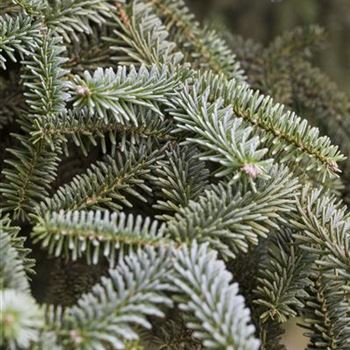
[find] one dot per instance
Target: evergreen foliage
(132, 140)
(18, 35)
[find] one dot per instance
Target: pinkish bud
(82, 90)
(333, 166)
(251, 170)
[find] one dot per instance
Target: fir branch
(141, 38)
(135, 290)
(12, 273)
(28, 175)
(17, 33)
(283, 278)
(322, 101)
(20, 321)
(108, 184)
(223, 138)
(270, 334)
(31, 7)
(214, 309)
(325, 228)
(107, 90)
(46, 91)
(87, 128)
(7, 6)
(47, 340)
(79, 233)
(203, 47)
(17, 242)
(68, 17)
(180, 177)
(232, 222)
(249, 54)
(326, 316)
(279, 57)
(289, 138)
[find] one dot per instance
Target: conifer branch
(46, 91)
(223, 138)
(17, 33)
(289, 138)
(20, 316)
(12, 273)
(326, 316)
(31, 7)
(85, 128)
(33, 167)
(141, 38)
(21, 320)
(109, 183)
(322, 100)
(283, 278)
(279, 56)
(135, 290)
(95, 234)
(270, 334)
(232, 222)
(203, 47)
(27, 176)
(325, 228)
(107, 90)
(69, 17)
(214, 309)
(180, 177)
(17, 242)
(171, 133)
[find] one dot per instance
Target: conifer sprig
(214, 310)
(21, 320)
(326, 316)
(12, 273)
(68, 17)
(283, 278)
(171, 133)
(17, 242)
(46, 91)
(135, 290)
(180, 177)
(95, 234)
(108, 184)
(223, 138)
(107, 90)
(140, 37)
(289, 138)
(85, 128)
(232, 222)
(203, 47)
(18, 33)
(28, 175)
(31, 7)
(325, 226)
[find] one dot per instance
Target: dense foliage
(153, 195)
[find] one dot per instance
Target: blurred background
(263, 20)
